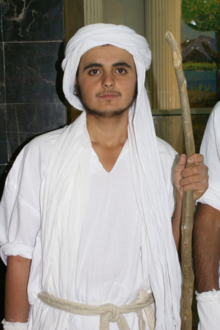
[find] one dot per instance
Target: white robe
(208, 303)
(110, 245)
(147, 173)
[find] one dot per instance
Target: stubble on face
(103, 114)
(106, 81)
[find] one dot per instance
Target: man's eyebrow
(92, 65)
(98, 65)
(122, 64)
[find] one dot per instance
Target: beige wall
(125, 12)
(162, 16)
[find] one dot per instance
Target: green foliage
(200, 86)
(202, 15)
(199, 66)
(207, 87)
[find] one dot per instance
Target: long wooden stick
(188, 205)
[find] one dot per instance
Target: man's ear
(76, 93)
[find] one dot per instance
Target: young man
(91, 204)
(207, 231)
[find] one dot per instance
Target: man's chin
(105, 113)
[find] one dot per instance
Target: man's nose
(108, 81)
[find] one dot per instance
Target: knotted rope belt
(108, 312)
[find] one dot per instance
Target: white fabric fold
(208, 306)
(210, 149)
(66, 188)
(212, 196)
(14, 249)
(14, 325)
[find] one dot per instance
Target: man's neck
(108, 136)
(108, 132)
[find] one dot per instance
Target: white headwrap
(66, 187)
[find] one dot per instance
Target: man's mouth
(109, 95)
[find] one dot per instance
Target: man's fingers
(181, 163)
(197, 187)
(196, 158)
(182, 159)
(194, 179)
(199, 169)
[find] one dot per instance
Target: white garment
(109, 264)
(150, 190)
(210, 149)
(14, 325)
(208, 303)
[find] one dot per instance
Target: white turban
(73, 152)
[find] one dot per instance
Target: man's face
(106, 80)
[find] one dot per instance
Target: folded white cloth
(14, 325)
(208, 305)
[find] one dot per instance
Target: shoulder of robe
(215, 114)
(212, 128)
(42, 144)
(216, 110)
(33, 157)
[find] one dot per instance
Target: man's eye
(93, 72)
(121, 70)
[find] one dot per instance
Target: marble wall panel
(30, 20)
(3, 152)
(3, 136)
(35, 118)
(25, 121)
(12, 121)
(31, 48)
(1, 29)
(32, 77)
(3, 173)
(2, 76)
(13, 145)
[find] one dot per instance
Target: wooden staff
(188, 204)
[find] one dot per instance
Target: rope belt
(108, 312)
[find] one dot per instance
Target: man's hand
(192, 178)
